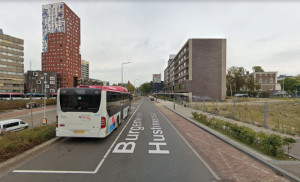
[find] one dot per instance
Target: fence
(278, 115)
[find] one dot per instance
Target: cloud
(265, 34)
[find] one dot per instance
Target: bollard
(174, 103)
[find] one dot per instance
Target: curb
(253, 154)
(25, 154)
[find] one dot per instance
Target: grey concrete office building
(11, 64)
(197, 71)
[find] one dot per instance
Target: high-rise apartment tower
(61, 43)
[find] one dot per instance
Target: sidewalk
(290, 166)
(16, 113)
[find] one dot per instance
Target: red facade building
(61, 43)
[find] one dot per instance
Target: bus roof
(107, 88)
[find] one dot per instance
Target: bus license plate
(79, 131)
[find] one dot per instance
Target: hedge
(14, 143)
(270, 144)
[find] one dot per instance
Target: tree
(252, 84)
(130, 87)
(290, 84)
(236, 78)
(114, 84)
(257, 69)
(145, 87)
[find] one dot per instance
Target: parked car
(151, 98)
(241, 95)
(34, 105)
(12, 125)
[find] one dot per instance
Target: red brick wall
(63, 54)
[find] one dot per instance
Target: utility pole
(234, 102)
(45, 119)
(31, 116)
(266, 114)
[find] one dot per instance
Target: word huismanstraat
(158, 137)
(133, 135)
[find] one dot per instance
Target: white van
(12, 125)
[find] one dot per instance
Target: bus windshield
(80, 99)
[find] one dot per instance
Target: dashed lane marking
(81, 172)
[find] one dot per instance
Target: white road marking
(81, 172)
(201, 159)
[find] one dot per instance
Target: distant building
(282, 77)
(90, 81)
(39, 82)
(61, 43)
(156, 78)
(11, 64)
(267, 80)
(156, 87)
(197, 71)
(156, 83)
(85, 69)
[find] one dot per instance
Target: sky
(145, 32)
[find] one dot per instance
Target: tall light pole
(45, 95)
(122, 71)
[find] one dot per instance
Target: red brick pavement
(226, 161)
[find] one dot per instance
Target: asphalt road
(37, 115)
(146, 147)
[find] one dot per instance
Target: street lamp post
(122, 71)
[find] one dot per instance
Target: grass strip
(20, 104)
(269, 144)
(14, 143)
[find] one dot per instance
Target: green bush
(270, 144)
(14, 143)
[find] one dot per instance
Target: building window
(35, 73)
(271, 87)
(52, 82)
(271, 80)
(52, 90)
(52, 78)
(260, 80)
(38, 82)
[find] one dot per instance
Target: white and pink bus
(91, 111)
